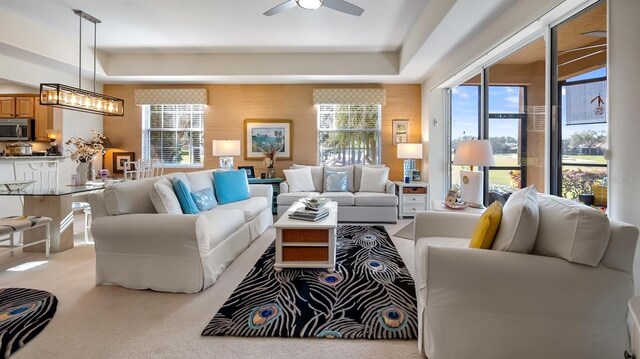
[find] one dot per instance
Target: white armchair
(475, 303)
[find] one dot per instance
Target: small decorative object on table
(85, 152)
(270, 151)
(452, 196)
(250, 171)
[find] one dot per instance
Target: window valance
(171, 97)
(350, 96)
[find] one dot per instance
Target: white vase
(82, 172)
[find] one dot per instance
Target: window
(349, 134)
(174, 134)
(465, 120)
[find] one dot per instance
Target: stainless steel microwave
(17, 129)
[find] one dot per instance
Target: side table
(275, 182)
(412, 198)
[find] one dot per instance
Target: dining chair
(45, 173)
(139, 169)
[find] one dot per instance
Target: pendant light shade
(75, 98)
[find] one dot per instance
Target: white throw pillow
(299, 180)
(374, 179)
(164, 198)
(317, 175)
(519, 224)
(571, 230)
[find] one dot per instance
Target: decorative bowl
(14, 185)
(456, 205)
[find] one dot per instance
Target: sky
(502, 99)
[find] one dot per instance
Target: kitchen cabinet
(17, 107)
(7, 106)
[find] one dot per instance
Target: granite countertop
(31, 158)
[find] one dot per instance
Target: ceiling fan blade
(289, 4)
(343, 6)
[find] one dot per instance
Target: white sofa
(354, 205)
(138, 248)
(475, 303)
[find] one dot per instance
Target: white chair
(46, 176)
(135, 170)
(9, 226)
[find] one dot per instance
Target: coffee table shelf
(306, 244)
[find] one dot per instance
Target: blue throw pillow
(335, 181)
(231, 186)
(184, 197)
(204, 199)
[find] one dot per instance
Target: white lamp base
(226, 163)
(471, 188)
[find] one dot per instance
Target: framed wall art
(264, 135)
(119, 158)
(400, 131)
(250, 171)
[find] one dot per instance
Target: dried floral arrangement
(87, 150)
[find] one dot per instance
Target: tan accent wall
(229, 105)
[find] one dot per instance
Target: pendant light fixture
(75, 98)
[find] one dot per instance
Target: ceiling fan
(338, 5)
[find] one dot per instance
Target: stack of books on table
(309, 215)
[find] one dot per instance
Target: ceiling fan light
(309, 4)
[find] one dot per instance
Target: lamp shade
(226, 147)
(410, 150)
(474, 153)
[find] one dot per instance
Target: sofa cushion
(348, 169)
(200, 180)
(250, 207)
(204, 199)
(571, 230)
(374, 179)
(317, 176)
(487, 227)
(231, 186)
(288, 199)
(129, 197)
(335, 181)
(164, 198)
(519, 223)
(184, 197)
(181, 176)
(299, 179)
(357, 175)
(343, 198)
(223, 222)
(374, 199)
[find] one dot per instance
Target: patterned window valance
(171, 97)
(349, 97)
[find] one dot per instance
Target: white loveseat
(475, 303)
(353, 205)
(138, 248)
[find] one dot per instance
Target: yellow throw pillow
(487, 227)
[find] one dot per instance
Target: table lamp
(226, 149)
(473, 153)
(409, 152)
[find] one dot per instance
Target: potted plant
(579, 184)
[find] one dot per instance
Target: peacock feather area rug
(371, 295)
(23, 314)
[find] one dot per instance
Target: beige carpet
(112, 322)
(408, 232)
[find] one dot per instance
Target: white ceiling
(231, 41)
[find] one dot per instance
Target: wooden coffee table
(306, 244)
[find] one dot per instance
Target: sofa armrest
(445, 224)
(525, 286)
(284, 187)
(262, 190)
(390, 187)
(177, 235)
